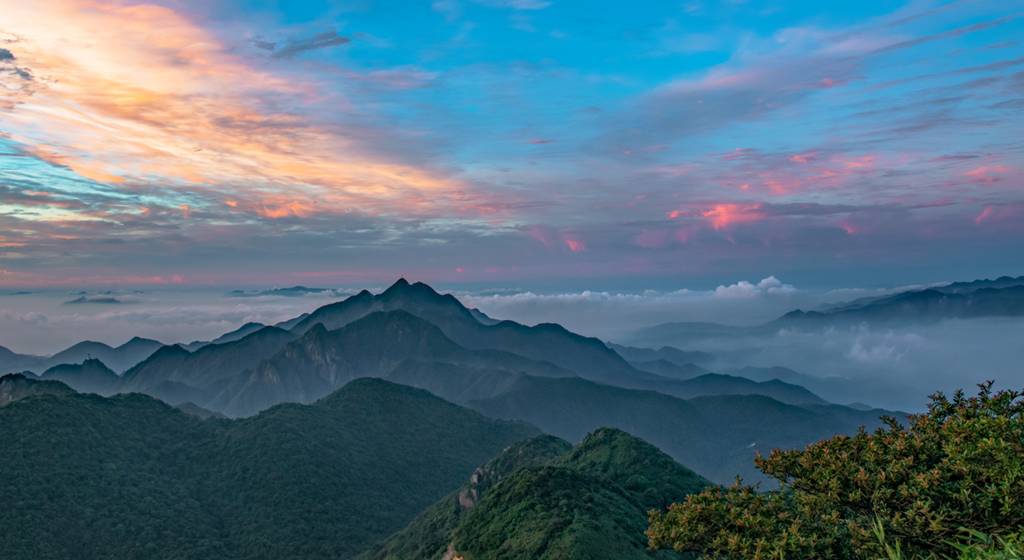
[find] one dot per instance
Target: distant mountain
(975, 285)
(394, 345)
(710, 384)
(97, 300)
(929, 305)
(670, 370)
(541, 500)
(198, 411)
(396, 336)
(715, 435)
(116, 358)
(587, 357)
(11, 362)
(130, 477)
(1002, 297)
(176, 375)
(293, 291)
(237, 334)
(17, 386)
(91, 376)
(670, 354)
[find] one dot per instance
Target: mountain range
(129, 477)
(1001, 297)
(118, 358)
(565, 384)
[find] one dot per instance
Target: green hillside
(718, 436)
(542, 500)
(131, 477)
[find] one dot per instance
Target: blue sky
(540, 143)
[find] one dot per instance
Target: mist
(891, 367)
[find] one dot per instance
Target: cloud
(743, 289)
(314, 42)
(181, 109)
(6, 55)
(517, 4)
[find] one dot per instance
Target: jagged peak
(402, 287)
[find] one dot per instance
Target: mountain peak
(402, 288)
(399, 284)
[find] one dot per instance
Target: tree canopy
(949, 483)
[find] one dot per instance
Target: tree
(951, 480)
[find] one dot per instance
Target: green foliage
(130, 477)
(542, 500)
(553, 513)
(902, 491)
(430, 533)
(588, 504)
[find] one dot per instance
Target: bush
(928, 489)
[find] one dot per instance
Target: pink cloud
(849, 228)
(987, 174)
(575, 245)
(726, 215)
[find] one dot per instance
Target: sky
(544, 144)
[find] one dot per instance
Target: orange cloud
(118, 102)
(723, 216)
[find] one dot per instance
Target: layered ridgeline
(718, 436)
(411, 334)
(1001, 297)
(565, 384)
(543, 499)
(131, 477)
(118, 358)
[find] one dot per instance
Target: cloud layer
(152, 143)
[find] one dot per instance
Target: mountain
(292, 291)
(11, 362)
(540, 499)
(1002, 297)
(587, 357)
(176, 375)
(17, 386)
(395, 345)
(117, 359)
(429, 535)
(130, 477)
(975, 285)
(237, 334)
(91, 376)
(390, 336)
(920, 306)
(198, 411)
(717, 436)
(590, 501)
(670, 370)
(721, 384)
(669, 354)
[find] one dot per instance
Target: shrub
(927, 489)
